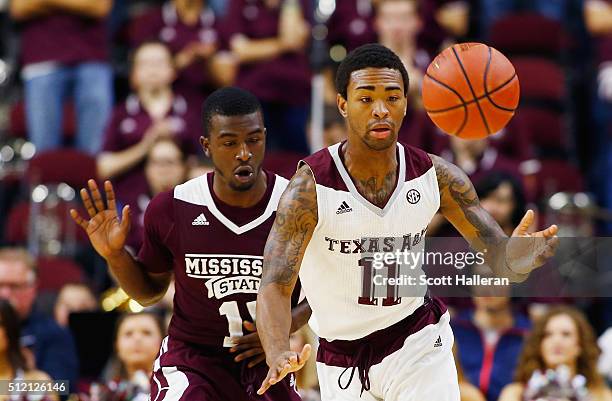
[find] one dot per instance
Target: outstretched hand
(106, 233)
(285, 363)
(527, 251)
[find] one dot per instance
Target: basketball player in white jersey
(371, 186)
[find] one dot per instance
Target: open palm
(106, 233)
(527, 251)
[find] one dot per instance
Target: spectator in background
(13, 364)
(501, 195)
(398, 24)
(467, 390)
(138, 338)
(562, 337)
(604, 364)
(137, 341)
(52, 345)
(490, 338)
(165, 168)
(73, 298)
(477, 158)
(190, 30)
(64, 54)
(351, 24)
(150, 114)
(269, 39)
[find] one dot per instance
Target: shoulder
(160, 205)
(512, 392)
(418, 162)
(323, 168)
(301, 193)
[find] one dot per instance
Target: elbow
(148, 301)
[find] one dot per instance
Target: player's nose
(244, 153)
(380, 110)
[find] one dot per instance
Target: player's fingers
(257, 360)
(242, 347)
(305, 353)
(523, 226)
(96, 195)
(110, 195)
(78, 219)
(91, 210)
(125, 219)
(551, 231)
(249, 353)
(267, 381)
(252, 338)
(250, 326)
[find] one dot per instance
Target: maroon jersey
(216, 252)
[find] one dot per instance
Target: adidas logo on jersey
(200, 221)
(344, 208)
(438, 342)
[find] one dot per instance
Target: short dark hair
(371, 55)
(228, 101)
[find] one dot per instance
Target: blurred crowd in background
(113, 89)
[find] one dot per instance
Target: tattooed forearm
(295, 221)
(460, 205)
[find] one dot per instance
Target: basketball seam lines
(485, 83)
(463, 103)
(467, 79)
(495, 90)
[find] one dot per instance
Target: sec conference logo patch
(413, 196)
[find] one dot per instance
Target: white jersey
(330, 272)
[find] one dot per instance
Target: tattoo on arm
(460, 204)
(295, 221)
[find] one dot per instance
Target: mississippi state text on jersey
(216, 252)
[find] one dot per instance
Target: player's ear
(341, 105)
(205, 142)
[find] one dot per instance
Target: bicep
(291, 232)
(460, 205)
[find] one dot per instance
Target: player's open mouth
(244, 173)
(381, 131)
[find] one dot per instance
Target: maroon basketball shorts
(189, 372)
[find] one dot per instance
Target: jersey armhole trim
(302, 163)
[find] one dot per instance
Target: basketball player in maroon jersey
(372, 184)
(210, 232)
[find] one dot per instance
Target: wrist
(114, 257)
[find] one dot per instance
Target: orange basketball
(471, 90)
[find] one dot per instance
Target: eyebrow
(372, 87)
(233, 135)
